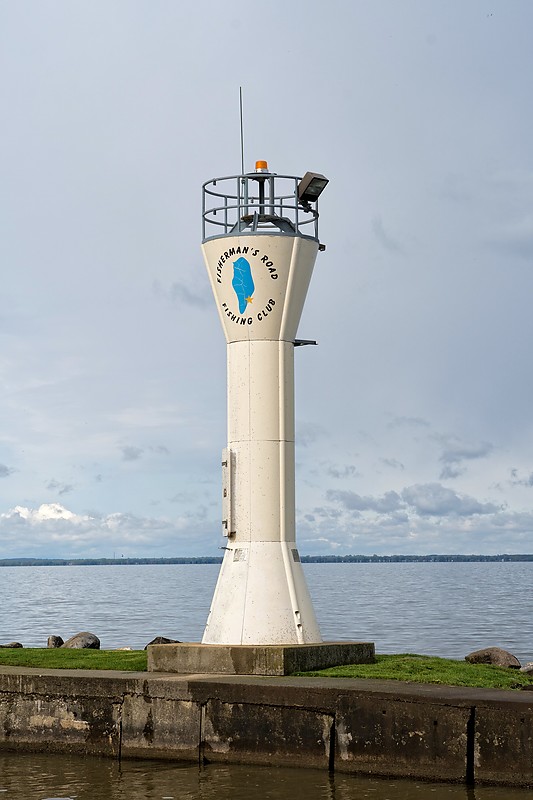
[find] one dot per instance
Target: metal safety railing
(257, 202)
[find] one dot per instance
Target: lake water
(47, 777)
(445, 609)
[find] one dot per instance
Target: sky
(414, 414)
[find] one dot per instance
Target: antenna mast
(242, 131)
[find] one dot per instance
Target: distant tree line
(397, 559)
(348, 559)
(89, 562)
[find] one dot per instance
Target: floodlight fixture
(311, 187)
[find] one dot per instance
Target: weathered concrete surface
(158, 727)
(382, 735)
(364, 726)
(504, 739)
(249, 733)
(202, 659)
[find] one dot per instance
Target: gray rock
(163, 640)
(495, 656)
(83, 640)
(527, 668)
(55, 641)
(11, 644)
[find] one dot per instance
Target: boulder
(527, 668)
(11, 644)
(162, 640)
(83, 640)
(495, 656)
(55, 641)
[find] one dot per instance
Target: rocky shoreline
(85, 641)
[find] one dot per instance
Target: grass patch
(429, 669)
(404, 667)
(57, 658)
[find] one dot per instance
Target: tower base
(193, 659)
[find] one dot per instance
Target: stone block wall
(382, 728)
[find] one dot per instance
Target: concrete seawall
(362, 726)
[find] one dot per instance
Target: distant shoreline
(347, 559)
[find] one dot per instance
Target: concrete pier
(367, 727)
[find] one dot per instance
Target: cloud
(5, 471)
(62, 488)
(45, 512)
(516, 481)
(160, 448)
(52, 530)
(92, 367)
(131, 453)
(408, 422)
(433, 499)
(182, 293)
(422, 518)
(451, 471)
(384, 238)
(430, 519)
(392, 462)
(454, 454)
(390, 501)
(181, 497)
(308, 433)
(149, 416)
(348, 471)
(516, 239)
(328, 512)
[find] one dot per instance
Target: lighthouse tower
(260, 242)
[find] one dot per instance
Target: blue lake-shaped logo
(243, 283)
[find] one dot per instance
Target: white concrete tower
(260, 241)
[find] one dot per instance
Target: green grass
(57, 658)
(404, 667)
(428, 669)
